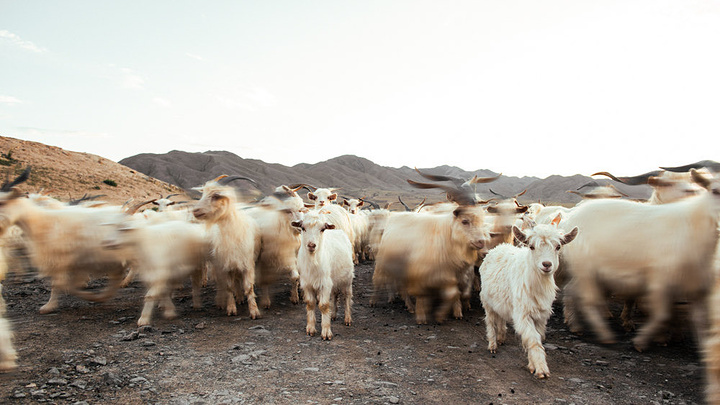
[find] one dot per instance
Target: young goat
(325, 261)
(518, 285)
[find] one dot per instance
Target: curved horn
(374, 204)
(592, 184)
(297, 187)
(218, 178)
(456, 180)
(711, 165)
(518, 195)
(499, 195)
(171, 195)
(137, 206)
(631, 180)
(224, 180)
(84, 198)
(459, 196)
(403, 204)
(8, 185)
(479, 180)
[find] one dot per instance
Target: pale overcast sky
(523, 87)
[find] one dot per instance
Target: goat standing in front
(518, 285)
(325, 261)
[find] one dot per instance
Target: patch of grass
(110, 183)
(6, 159)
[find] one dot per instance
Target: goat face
(469, 226)
(544, 242)
(214, 204)
(312, 228)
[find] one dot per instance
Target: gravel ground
(94, 353)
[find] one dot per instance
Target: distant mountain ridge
(356, 176)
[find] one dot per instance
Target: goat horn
(404, 205)
(631, 180)
(479, 180)
(499, 195)
(227, 179)
(434, 177)
(711, 165)
(8, 185)
(137, 206)
(459, 196)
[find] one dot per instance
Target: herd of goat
(652, 254)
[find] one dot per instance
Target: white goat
(518, 286)
(64, 244)
(235, 242)
(661, 252)
(164, 254)
(420, 254)
(360, 223)
(326, 269)
(280, 242)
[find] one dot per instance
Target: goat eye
(465, 222)
(557, 247)
(532, 247)
(215, 197)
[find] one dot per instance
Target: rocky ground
(94, 353)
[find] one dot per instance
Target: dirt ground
(94, 353)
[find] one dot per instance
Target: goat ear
(700, 179)
(361, 203)
(345, 202)
(656, 181)
(296, 224)
(492, 209)
(556, 220)
(155, 203)
(312, 196)
(172, 203)
(569, 237)
(519, 235)
(329, 226)
(521, 210)
(332, 197)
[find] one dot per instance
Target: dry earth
(68, 175)
(93, 353)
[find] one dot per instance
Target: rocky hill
(355, 175)
(69, 175)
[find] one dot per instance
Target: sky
(522, 87)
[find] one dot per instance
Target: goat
(326, 269)
(642, 250)
(235, 242)
(163, 254)
(424, 253)
(518, 286)
(64, 244)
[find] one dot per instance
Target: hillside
(356, 176)
(69, 175)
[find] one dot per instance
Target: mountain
(356, 176)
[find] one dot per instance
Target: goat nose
(311, 246)
(547, 265)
